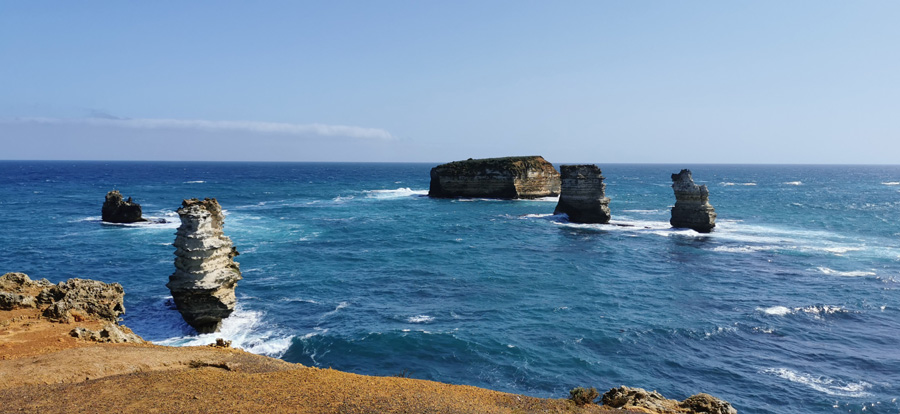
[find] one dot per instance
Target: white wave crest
(822, 384)
(744, 249)
(337, 308)
(891, 183)
(642, 211)
(195, 182)
(817, 311)
(420, 319)
(793, 183)
(776, 310)
(396, 193)
(727, 184)
(854, 273)
(246, 330)
(547, 199)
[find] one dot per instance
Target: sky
(427, 81)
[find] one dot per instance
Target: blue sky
(593, 81)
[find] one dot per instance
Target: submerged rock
(117, 210)
(583, 194)
(507, 178)
(205, 271)
(692, 209)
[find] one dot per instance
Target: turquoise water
(790, 305)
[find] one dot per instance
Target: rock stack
(692, 209)
(117, 210)
(583, 194)
(507, 178)
(205, 271)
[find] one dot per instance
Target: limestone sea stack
(506, 178)
(583, 194)
(692, 209)
(117, 210)
(205, 271)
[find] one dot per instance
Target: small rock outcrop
(692, 209)
(651, 401)
(583, 194)
(110, 333)
(117, 210)
(506, 178)
(205, 271)
(72, 301)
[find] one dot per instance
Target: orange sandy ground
(43, 369)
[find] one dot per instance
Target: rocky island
(506, 178)
(692, 209)
(583, 194)
(118, 210)
(205, 271)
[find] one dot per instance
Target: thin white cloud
(217, 126)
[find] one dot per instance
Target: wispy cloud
(216, 126)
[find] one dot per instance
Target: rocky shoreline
(55, 357)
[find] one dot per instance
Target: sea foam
(823, 384)
(395, 194)
(246, 329)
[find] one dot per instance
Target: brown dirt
(43, 369)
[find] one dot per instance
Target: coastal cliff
(205, 271)
(506, 178)
(46, 367)
(692, 209)
(583, 194)
(118, 210)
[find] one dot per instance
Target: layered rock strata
(205, 271)
(117, 210)
(506, 178)
(583, 194)
(72, 301)
(692, 209)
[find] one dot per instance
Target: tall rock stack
(117, 210)
(205, 271)
(583, 194)
(692, 209)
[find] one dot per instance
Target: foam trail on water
(855, 273)
(891, 183)
(793, 183)
(396, 193)
(822, 384)
(726, 184)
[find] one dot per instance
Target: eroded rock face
(508, 178)
(652, 401)
(117, 210)
(583, 194)
(692, 209)
(205, 271)
(75, 300)
(79, 298)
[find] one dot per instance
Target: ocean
(790, 305)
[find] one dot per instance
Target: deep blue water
(790, 305)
